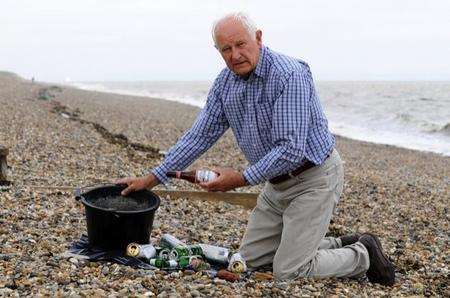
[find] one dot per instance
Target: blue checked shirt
(275, 116)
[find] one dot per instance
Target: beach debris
(174, 253)
(161, 263)
(186, 261)
(164, 254)
(227, 275)
(136, 250)
(171, 241)
(237, 264)
(48, 93)
(263, 276)
(211, 273)
(112, 138)
(215, 254)
(4, 165)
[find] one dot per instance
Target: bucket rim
(154, 207)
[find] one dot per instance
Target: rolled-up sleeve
(209, 126)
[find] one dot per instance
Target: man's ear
(259, 37)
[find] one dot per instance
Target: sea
(414, 115)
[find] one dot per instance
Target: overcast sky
(102, 40)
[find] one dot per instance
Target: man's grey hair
(240, 17)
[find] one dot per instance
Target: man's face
(239, 50)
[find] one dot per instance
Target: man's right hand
(138, 183)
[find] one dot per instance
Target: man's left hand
(228, 179)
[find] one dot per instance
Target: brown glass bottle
(193, 176)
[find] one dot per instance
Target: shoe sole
(386, 263)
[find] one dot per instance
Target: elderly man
(269, 101)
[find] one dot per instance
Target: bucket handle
(78, 190)
(77, 193)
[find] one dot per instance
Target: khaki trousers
(288, 225)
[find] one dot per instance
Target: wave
(444, 129)
(170, 96)
(421, 125)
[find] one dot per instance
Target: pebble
(310, 288)
(105, 270)
(48, 149)
(175, 275)
(220, 281)
(73, 261)
(282, 285)
(418, 288)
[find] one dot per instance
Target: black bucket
(114, 227)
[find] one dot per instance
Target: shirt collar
(261, 67)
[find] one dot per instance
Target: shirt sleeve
(209, 126)
(290, 123)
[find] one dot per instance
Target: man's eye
(224, 50)
(241, 44)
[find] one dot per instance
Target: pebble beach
(61, 137)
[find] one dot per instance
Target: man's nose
(235, 54)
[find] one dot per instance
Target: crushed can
(185, 261)
(237, 264)
(144, 251)
(165, 254)
(198, 264)
(179, 251)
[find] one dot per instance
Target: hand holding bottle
(227, 179)
(196, 176)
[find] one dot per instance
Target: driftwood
(245, 199)
(3, 165)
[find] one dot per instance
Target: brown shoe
(349, 239)
(381, 270)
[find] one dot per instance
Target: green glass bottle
(195, 250)
(161, 263)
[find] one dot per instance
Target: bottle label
(205, 176)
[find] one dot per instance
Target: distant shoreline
(194, 105)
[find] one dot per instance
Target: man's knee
(290, 272)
